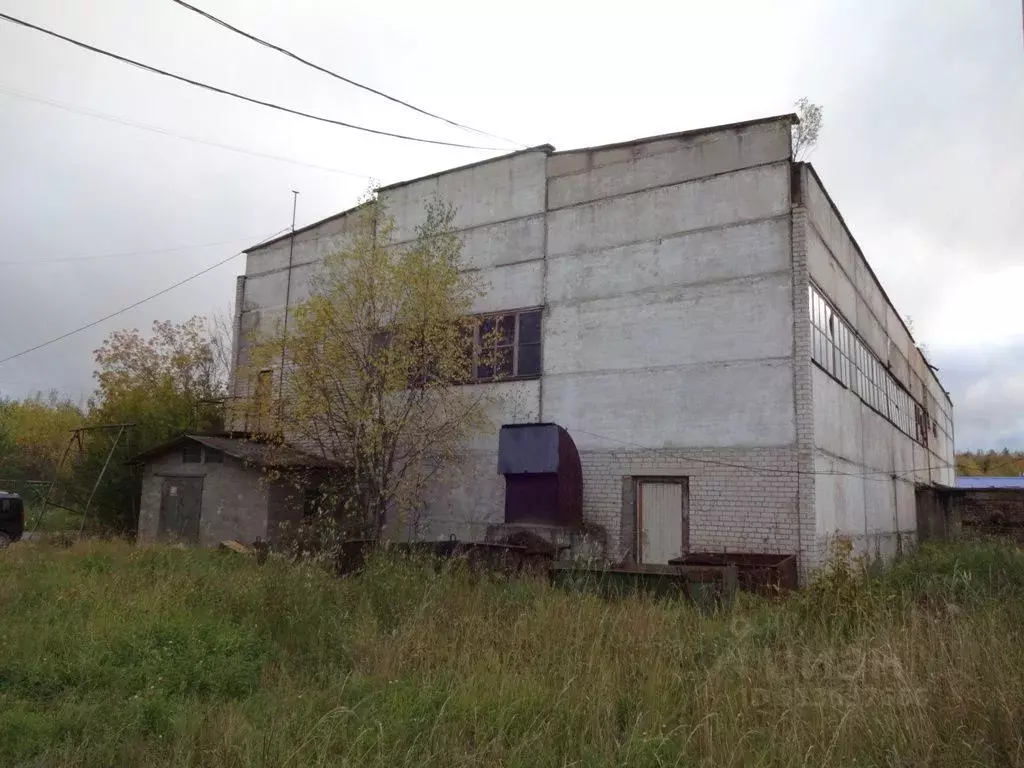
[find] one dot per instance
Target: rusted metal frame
(96, 485)
(56, 474)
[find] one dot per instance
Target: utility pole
(287, 302)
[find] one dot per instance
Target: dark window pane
(503, 362)
(467, 333)
(506, 330)
(214, 456)
(529, 327)
(312, 503)
(487, 327)
(380, 341)
(484, 372)
(191, 453)
(529, 359)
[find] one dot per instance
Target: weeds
(112, 655)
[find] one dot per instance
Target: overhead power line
(236, 95)
(335, 75)
(132, 306)
(122, 254)
(157, 129)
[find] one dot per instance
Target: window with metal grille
(498, 347)
(507, 346)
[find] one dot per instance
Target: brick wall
(810, 547)
(998, 512)
(739, 499)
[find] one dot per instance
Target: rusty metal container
(757, 571)
(708, 587)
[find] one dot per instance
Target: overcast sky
(923, 145)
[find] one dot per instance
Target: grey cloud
(924, 107)
(987, 388)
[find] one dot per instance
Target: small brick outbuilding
(205, 489)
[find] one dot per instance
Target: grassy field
(112, 655)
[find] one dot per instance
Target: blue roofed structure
(981, 483)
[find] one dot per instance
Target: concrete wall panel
(505, 402)
(747, 319)
(870, 330)
(721, 405)
(500, 190)
(879, 505)
(464, 501)
(505, 243)
(839, 494)
(869, 290)
(514, 286)
(266, 290)
(660, 163)
(827, 273)
(697, 257)
(745, 195)
(837, 418)
(900, 338)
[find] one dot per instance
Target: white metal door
(660, 512)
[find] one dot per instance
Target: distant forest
(990, 463)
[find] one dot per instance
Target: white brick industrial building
(709, 332)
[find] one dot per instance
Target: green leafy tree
(164, 382)
(990, 463)
(374, 363)
(34, 433)
(806, 132)
(170, 381)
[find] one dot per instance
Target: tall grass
(112, 655)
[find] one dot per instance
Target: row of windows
(502, 346)
(837, 349)
(498, 347)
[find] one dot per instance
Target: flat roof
(547, 149)
(789, 117)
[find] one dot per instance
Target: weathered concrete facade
(867, 468)
(673, 277)
(220, 495)
(233, 506)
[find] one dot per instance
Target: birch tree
(375, 365)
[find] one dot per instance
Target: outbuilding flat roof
(981, 483)
(245, 449)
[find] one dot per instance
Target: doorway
(662, 519)
(181, 503)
